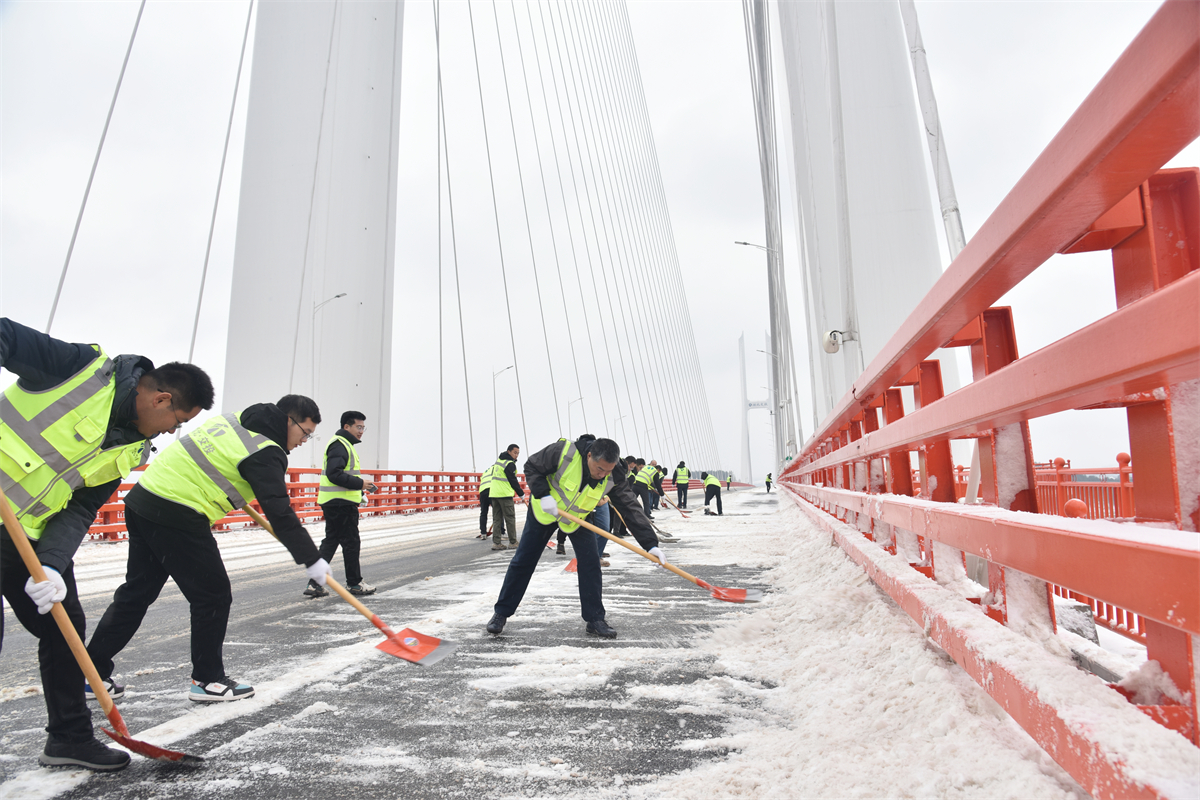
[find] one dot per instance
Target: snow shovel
(120, 734)
(729, 595)
(677, 508)
(407, 644)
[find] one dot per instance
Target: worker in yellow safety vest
(485, 500)
(223, 464)
(74, 424)
(682, 476)
(503, 486)
(572, 477)
(768, 483)
(643, 484)
(712, 488)
(339, 493)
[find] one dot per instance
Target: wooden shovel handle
(329, 581)
(17, 533)
(623, 543)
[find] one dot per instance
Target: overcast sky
(1007, 76)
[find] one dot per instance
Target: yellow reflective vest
(712, 480)
(200, 470)
(328, 490)
(485, 480)
(568, 491)
(51, 443)
(500, 487)
(682, 475)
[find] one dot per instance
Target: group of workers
(75, 424)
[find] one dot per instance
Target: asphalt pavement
(542, 710)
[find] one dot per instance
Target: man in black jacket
(597, 464)
(340, 493)
(170, 538)
(147, 402)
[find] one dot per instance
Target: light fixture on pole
(495, 423)
(576, 400)
(312, 355)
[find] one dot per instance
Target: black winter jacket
(265, 471)
(42, 362)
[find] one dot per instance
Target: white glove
(50, 591)
(658, 553)
(549, 505)
(319, 571)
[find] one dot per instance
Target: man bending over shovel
(222, 465)
(74, 425)
(572, 476)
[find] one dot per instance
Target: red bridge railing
(1098, 186)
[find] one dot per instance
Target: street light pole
(777, 368)
(312, 356)
(495, 423)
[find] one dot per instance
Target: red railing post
(1060, 492)
(1125, 493)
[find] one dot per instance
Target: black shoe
(602, 629)
(90, 754)
(496, 625)
(115, 690)
(315, 589)
(561, 551)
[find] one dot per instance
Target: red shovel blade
(152, 751)
(733, 595)
(738, 595)
(573, 566)
(417, 647)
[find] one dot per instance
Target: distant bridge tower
(317, 216)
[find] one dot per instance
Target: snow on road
(825, 689)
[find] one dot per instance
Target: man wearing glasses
(223, 464)
(340, 493)
(75, 423)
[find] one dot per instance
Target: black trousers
(158, 552)
(62, 680)
(525, 561)
(768, 487)
(709, 493)
(485, 504)
(681, 488)
(341, 528)
(643, 492)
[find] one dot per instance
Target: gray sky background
(1007, 76)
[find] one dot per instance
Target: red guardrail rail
(400, 492)
(1098, 185)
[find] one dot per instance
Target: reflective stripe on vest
(200, 470)
(682, 475)
(581, 501)
(500, 487)
(329, 490)
(50, 443)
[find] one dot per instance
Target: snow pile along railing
(1097, 186)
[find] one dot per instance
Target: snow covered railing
(1097, 186)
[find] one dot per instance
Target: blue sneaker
(115, 690)
(225, 690)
